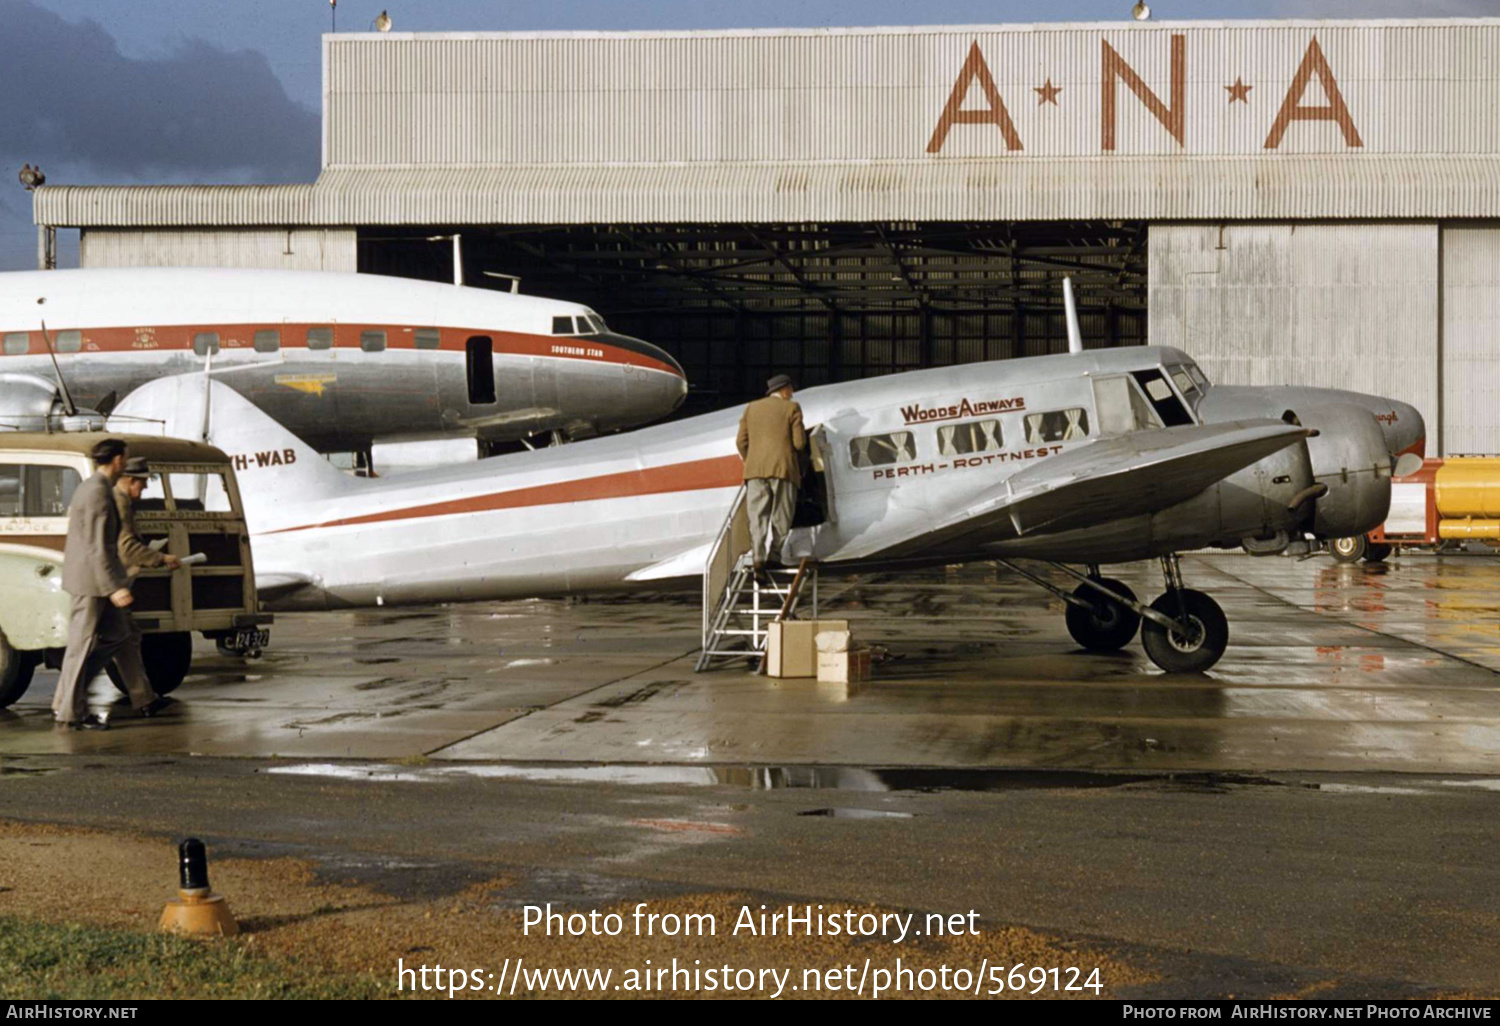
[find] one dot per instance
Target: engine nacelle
(1350, 456)
(32, 403)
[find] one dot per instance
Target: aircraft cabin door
(815, 504)
(481, 370)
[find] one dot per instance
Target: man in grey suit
(100, 628)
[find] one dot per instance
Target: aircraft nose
(1405, 430)
(667, 384)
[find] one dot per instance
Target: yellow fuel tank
(1470, 529)
(1468, 488)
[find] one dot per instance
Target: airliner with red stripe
(343, 361)
(1093, 457)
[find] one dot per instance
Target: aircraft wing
(684, 564)
(273, 586)
(1113, 478)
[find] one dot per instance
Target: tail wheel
(1376, 553)
(1197, 644)
(1106, 625)
(1349, 550)
(16, 668)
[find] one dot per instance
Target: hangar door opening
(823, 302)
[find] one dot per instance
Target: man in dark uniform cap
(100, 627)
(770, 438)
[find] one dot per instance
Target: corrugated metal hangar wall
(1298, 200)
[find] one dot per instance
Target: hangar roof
(1156, 121)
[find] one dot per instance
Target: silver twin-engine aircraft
(1077, 460)
(343, 360)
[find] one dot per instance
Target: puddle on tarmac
(763, 778)
(856, 814)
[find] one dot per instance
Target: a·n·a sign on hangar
(1306, 201)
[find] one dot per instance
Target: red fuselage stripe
(232, 337)
(717, 472)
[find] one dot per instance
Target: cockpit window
(562, 325)
(1197, 375)
(1163, 400)
(1186, 384)
(1122, 407)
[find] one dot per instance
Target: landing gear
(1377, 552)
(1348, 550)
(1183, 631)
(1190, 633)
(1102, 624)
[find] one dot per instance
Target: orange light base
(198, 913)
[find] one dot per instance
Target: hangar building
(1305, 201)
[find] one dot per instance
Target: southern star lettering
(273, 458)
(964, 408)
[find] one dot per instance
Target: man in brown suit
(771, 437)
(99, 629)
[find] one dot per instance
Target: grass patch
(68, 961)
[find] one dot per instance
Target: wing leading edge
(1111, 479)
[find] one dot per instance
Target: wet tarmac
(1330, 668)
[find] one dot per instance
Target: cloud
(195, 113)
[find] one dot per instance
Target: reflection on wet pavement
(1330, 667)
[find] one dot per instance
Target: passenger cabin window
(267, 340)
(427, 338)
(320, 338)
(882, 450)
(206, 343)
(1058, 426)
(70, 341)
(962, 439)
(36, 490)
(1122, 407)
(1163, 400)
(372, 341)
(17, 343)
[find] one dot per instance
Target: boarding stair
(738, 610)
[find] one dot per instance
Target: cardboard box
(833, 641)
(849, 667)
(789, 646)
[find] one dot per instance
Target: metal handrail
(714, 583)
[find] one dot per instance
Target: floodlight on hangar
(1140, 12)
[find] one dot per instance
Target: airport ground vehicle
(1446, 503)
(38, 473)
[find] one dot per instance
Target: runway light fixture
(383, 22)
(1140, 12)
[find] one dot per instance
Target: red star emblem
(1239, 92)
(1047, 93)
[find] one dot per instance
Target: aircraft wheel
(16, 668)
(1196, 650)
(1110, 625)
(1376, 553)
(1348, 550)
